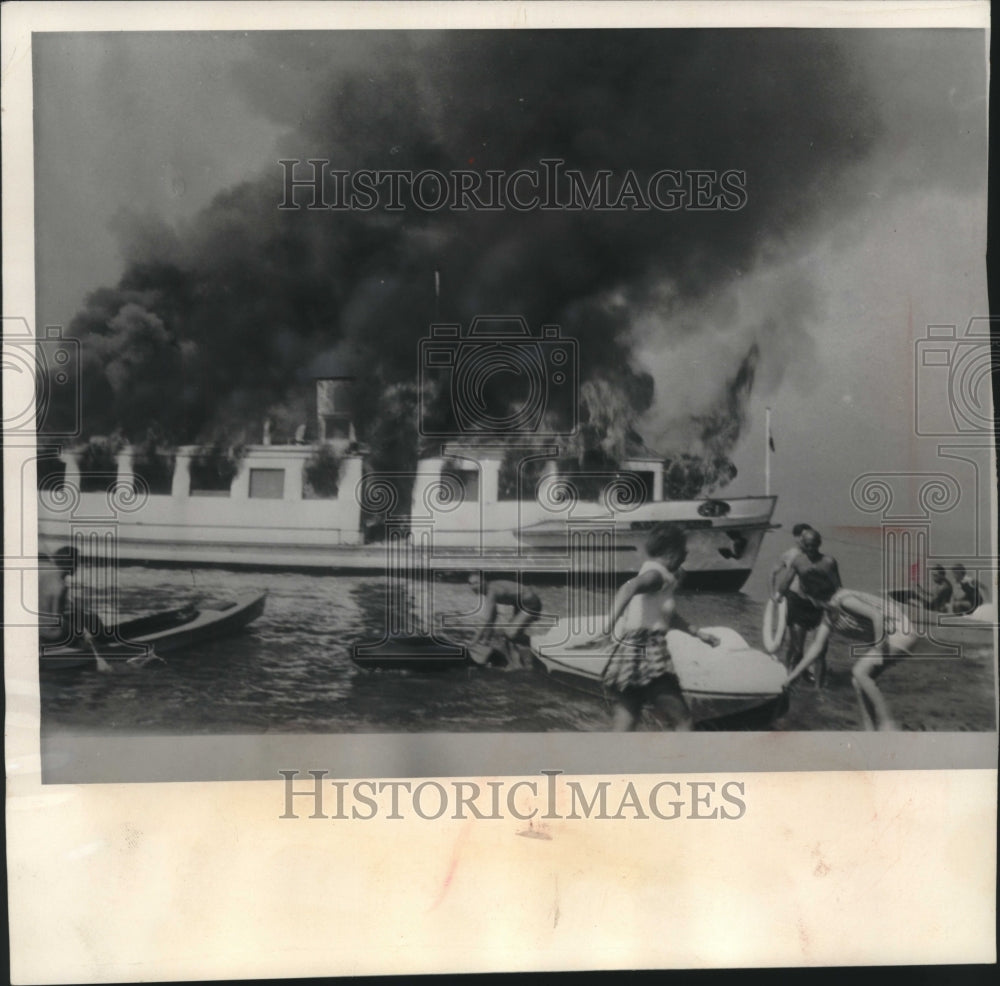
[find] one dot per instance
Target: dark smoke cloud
(214, 324)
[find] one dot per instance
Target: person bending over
(860, 616)
(525, 603)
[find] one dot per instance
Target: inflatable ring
(775, 624)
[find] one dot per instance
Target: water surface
(291, 671)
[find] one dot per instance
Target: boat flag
(915, 571)
(770, 441)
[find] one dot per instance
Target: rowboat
(731, 685)
(165, 632)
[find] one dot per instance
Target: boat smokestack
(336, 383)
(335, 409)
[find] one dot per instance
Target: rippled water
(290, 671)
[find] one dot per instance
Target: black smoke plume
(213, 326)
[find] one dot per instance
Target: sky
(865, 155)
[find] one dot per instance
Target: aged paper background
(171, 881)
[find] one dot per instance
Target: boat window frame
(265, 469)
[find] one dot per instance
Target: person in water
(803, 616)
(640, 671)
(936, 597)
(968, 593)
(57, 615)
(862, 616)
(526, 605)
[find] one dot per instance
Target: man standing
(779, 572)
(803, 614)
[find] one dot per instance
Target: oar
(102, 665)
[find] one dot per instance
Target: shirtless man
(803, 614)
(786, 559)
(55, 608)
(968, 593)
(500, 592)
(937, 597)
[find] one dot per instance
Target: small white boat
(976, 629)
(730, 685)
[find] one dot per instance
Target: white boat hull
(266, 521)
(711, 564)
(974, 630)
(720, 683)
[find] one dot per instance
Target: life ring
(714, 508)
(775, 624)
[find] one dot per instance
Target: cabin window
(519, 476)
(50, 474)
(206, 481)
(156, 471)
(213, 469)
(469, 478)
(98, 463)
(267, 484)
(321, 474)
(647, 479)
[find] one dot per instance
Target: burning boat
(319, 507)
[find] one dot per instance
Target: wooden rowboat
(166, 632)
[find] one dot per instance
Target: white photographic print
(480, 427)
